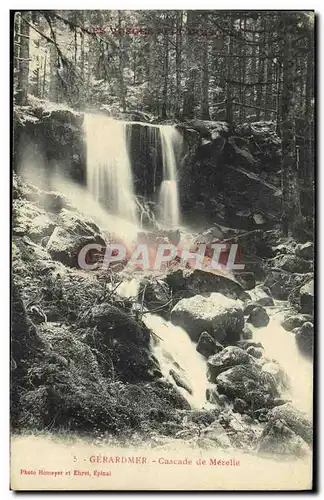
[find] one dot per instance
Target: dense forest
(186, 129)
(233, 66)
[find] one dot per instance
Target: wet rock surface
(187, 283)
(247, 382)
(305, 339)
(258, 317)
(307, 297)
(295, 321)
(221, 317)
(207, 346)
(227, 358)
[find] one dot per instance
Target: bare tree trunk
(82, 63)
(165, 75)
(308, 109)
(16, 51)
(259, 92)
(54, 83)
(44, 75)
(253, 68)
(121, 64)
(178, 62)
(23, 71)
(229, 99)
(290, 185)
(152, 98)
(204, 102)
(268, 75)
(189, 97)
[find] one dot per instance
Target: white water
(109, 174)
(175, 351)
(169, 193)
(281, 346)
(85, 203)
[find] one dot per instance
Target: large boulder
(114, 322)
(305, 251)
(305, 338)
(282, 283)
(295, 420)
(260, 292)
(217, 434)
(187, 283)
(207, 346)
(225, 359)
(246, 343)
(280, 440)
(220, 316)
(124, 341)
(295, 321)
(249, 383)
(73, 233)
(56, 132)
(273, 372)
(307, 297)
(246, 279)
(258, 317)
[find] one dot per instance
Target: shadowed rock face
(258, 317)
(305, 339)
(247, 382)
(294, 419)
(207, 346)
(307, 297)
(187, 283)
(221, 170)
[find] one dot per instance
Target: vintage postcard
(162, 298)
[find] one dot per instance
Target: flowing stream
(176, 352)
(281, 346)
(110, 182)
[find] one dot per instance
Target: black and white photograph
(162, 250)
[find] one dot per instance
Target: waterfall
(110, 143)
(169, 193)
(109, 174)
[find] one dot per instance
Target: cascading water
(174, 351)
(169, 193)
(177, 353)
(281, 346)
(109, 174)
